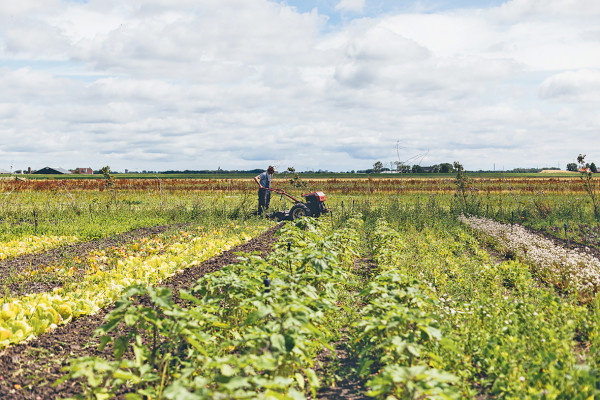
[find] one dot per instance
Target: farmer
(264, 182)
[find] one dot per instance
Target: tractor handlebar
(284, 193)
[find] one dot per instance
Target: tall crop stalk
(586, 175)
(462, 184)
(463, 190)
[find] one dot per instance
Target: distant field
(307, 175)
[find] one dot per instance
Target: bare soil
(348, 388)
(342, 363)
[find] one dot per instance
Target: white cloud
(240, 83)
(356, 6)
(16, 9)
(581, 85)
(517, 9)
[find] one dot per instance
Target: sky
(314, 84)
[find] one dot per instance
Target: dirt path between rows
(342, 363)
(28, 370)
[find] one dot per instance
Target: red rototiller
(313, 206)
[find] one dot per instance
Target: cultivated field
(412, 288)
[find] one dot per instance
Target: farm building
(85, 171)
(52, 171)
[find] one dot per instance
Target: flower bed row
(569, 270)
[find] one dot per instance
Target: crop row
(434, 317)
(75, 268)
(502, 333)
(396, 328)
(23, 317)
(569, 270)
(33, 244)
(380, 184)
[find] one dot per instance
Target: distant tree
(416, 169)
(593, 168)
(446, 168)
(378, 167)
(401, 167)
(527, 170)
(462, 185)
(108, 178)
(106, 172)
(572, 167)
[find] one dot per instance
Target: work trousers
(264, 198)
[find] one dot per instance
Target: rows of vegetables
(251, 330)
(501, 332)
(106, 273)
(433, 316)
(406, 290)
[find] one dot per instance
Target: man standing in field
(264, 183)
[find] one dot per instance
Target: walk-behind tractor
(313, 207)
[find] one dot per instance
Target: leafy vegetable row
(32, 315)
(33, 244)
(396, 329)
(438, 318)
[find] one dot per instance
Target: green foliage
(234, 339)
(377, 167)
(417, 169)
(434, 317)
(446, 168)
(105, 171)
(502, 334)
(94, 214)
